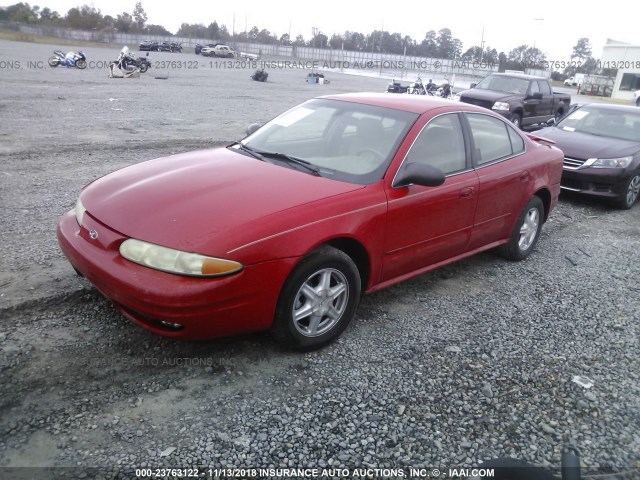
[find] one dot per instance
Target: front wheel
(631, 193)
(81, 64)
(54, 61)
(143, 67)
(318, 300)
(526, 232)
(517, 120)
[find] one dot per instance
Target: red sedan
(286, 229)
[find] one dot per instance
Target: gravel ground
(471, 361)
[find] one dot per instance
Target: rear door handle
(466, 192)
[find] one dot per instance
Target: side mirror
(536, 96)
(419, 174)
(252, 128)
(473, 85)
(551, 122)
(147, 54)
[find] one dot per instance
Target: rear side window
(492, 138)
(517, 144)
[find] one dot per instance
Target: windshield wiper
(295, 160)
(249, 150)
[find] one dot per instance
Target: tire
(517, 121)
(638, 102)
(318, 300)
(81, 64)
(143, 67)
(631, 192)
(558, 115)
(54, 61)
(526, 232)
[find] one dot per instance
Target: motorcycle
(127, 62)
(69, 60)
(444, 90)
(417, 88)
(395, 87)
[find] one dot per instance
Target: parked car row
(601, 142)
(152, 46)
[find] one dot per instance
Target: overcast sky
(553, 26)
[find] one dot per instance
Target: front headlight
(622, 162)
(80, 211)
(175, 261)
(501, 106)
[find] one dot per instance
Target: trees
(582, 49)
(139, 16)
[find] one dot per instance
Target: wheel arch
(358, 254)
(545, 196)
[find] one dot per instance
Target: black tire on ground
(517, 120)
(526, 231)
(631, 193)
(143, 67)
(558, 115)
(318, 300)
(54, 61)
(81, 64)
(638, 102)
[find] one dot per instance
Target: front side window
(440, 144)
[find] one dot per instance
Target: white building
(626, 58)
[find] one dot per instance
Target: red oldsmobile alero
(284, 230)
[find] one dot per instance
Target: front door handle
(524, 176)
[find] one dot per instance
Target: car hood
(488, 95)
(584, 146)
(208, 201)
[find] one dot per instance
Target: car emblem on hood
(93, 234)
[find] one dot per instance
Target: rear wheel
(526, 232)
(558, 115)
(318, 300)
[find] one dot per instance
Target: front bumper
(600, 182)
(203, 307)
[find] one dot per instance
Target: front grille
(573, 163)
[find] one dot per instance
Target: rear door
(505, 180)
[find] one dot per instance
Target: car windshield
(501, 83)
(346, 141)
(624, 125)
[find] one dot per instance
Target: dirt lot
(470, 361)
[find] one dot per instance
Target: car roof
(612, 107)
(411, 103)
